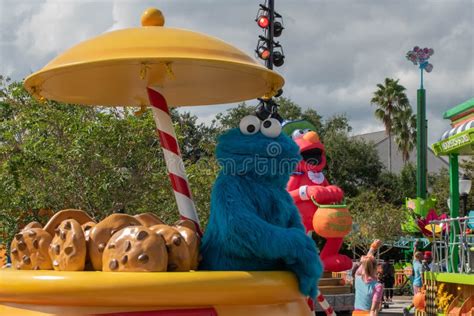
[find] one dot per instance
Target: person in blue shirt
(368, 291)
(417, 278)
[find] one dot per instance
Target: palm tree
(390, 98)
(404, 128)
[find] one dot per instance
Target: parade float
(449, 287)
(157, 67)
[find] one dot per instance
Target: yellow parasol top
(188, 68)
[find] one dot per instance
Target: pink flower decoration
(431, 216)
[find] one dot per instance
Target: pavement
(396, 308)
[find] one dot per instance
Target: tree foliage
(392, 107)
(395, 188)
(56, 156)
(404, 128)
(352, 163)
(374, 219)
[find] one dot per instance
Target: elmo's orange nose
(311, 137)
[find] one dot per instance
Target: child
(417, 277)
(368, 291)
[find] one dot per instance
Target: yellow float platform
(198, 293)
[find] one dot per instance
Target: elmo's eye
(297, 133)
(249, 125)
(271, 128)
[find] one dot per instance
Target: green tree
(335, 124)
(196, 140)
(232, 117)
(389, 98)
(438, 184)
(404, 128)
(395, 188)
(374, 219)
(352, 163)
(56, 156)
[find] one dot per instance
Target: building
(380, 141)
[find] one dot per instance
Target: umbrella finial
(152, 17)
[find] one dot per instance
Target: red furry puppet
(308, 182)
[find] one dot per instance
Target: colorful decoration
(420, 206)
(420, 212)
(308, 182)
(254, 224)
(443, 299)
(419, 56)
(332, 221)
(426, 228)
(419, 301)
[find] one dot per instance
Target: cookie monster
(254, 224)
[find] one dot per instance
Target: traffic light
(271, 52)
(263, 21)
(278, 58)
(272, 24)
(263, 52)
(277, 28)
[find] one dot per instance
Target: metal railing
(444, 249)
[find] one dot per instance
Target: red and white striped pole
(325, 305)
(173, 159)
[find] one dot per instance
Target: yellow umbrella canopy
(188, 68)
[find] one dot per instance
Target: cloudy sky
(336, 51)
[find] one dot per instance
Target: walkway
(396, 308)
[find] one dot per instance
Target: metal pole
(454, 203)
(271, 13)
(421, 144)
(464, 202)
(421, 78)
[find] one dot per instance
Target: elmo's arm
(322, 194)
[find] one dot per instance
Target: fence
(463, 244)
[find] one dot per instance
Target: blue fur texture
(254, 224)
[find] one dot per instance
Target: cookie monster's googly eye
(249, 125)
(271, 128)
(297, 133)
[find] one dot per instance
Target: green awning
(457, 129)
(458, 109)
(459, 140)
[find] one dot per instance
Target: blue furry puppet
(254, 224)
